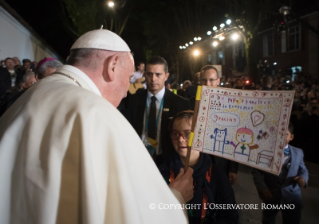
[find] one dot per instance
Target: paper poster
(245, 126)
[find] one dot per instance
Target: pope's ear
(109, 67)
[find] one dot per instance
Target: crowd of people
(72, 157)
(15, 78)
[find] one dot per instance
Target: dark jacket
(5, 80)
(218, 191)
(173, 104)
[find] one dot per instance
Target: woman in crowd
(211, 185)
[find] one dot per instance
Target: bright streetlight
(195, 38)
(215, 43)
(180, 47)
(196, 52)
(209, 32)
(215, 28)
(235, 36)
(228, 22)
(222, 25)
(191, 42)
(110, 4)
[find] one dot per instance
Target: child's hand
(301, 182)
(265, 194)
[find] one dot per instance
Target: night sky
(45, 17)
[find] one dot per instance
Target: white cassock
(68, 156)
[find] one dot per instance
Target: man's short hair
(157, 60)
(26, 60)
(140, 62)
(291, 128)
(89, 57)
(209, 67)
(5, 60)
(187, 82)
(52, 64)
(26, 76)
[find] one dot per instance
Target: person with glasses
(211, 185)
(209, 76)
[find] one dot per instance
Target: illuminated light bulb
(110, 4)
(196, 52)
(235, 36)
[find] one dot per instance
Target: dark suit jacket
(136, 109)
(5, 80)
(288, 190)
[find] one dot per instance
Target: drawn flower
(261, 131)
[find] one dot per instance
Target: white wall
(17, 41)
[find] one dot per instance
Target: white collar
(83, 76)
(159, 96)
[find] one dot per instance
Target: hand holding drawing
(184, 183)
(232, 178)
(301, 182)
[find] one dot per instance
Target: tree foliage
(87, 15)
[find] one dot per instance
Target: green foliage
(83, 14)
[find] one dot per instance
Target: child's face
(244, 138)
(180, 136)
(289, 137)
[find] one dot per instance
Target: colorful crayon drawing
(244, 126)
(245, 139)
(219, 137)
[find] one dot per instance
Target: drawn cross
(243, 147)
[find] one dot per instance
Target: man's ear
(109, 67)
(166, 76)
(24, 85)
(292, 137)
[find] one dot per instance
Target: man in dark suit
(150, 110)
(6, 75)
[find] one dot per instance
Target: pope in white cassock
(68, 156)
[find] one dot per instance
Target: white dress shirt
(159, 97)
